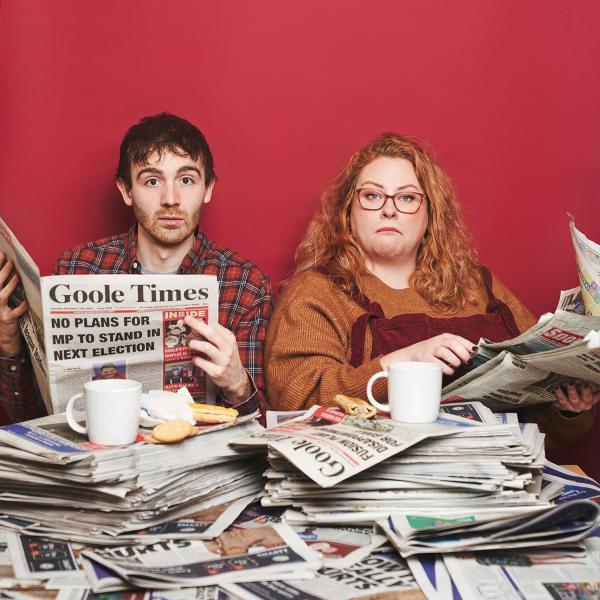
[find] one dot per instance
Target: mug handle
(73, 424)
(374, 378)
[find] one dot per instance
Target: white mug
(414, 391)
(112, 410)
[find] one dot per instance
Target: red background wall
(508, 94)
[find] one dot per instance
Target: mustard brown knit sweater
(307, 348)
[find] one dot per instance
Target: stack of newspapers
(333, 468)
(53, 484)
(471, 469)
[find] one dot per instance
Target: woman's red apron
(496, 324)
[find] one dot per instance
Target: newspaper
(587, 254)
(32, 323)
(338, 546)
(560, 348)
(571, 301)
(132, 325)
(540, 574)
(569, 486)
(272, 552)
(379, 575)
(415, 534)
(329, 447)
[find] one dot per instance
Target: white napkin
(158, 406)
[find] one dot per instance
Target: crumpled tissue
(159, 405)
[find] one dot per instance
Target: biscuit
(354, 406)
(211, 414)
(170, 432)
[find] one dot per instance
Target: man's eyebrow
(155, 171)
(189, 168)
(145, 170)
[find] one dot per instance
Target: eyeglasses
(405, 202)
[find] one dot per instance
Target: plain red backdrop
(507, 93)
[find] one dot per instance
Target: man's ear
(208, 192)
(125, 192)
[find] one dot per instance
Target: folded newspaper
(81, 327)
(560, 348)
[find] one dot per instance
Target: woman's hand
(572, 400)
(446, 349)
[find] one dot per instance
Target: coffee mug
(112, 411)
(414, 391)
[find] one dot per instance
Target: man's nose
(170, 196)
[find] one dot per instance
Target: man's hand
(218, 356)
(10, 334)
(573, 401)
(446, 349)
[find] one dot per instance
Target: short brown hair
(163, 133)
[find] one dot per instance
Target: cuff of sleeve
(10, 366)
(250, 404)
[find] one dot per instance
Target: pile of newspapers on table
(351, 508)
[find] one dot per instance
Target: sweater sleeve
(307, 347)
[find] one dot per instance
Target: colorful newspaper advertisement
(125, 327)
(587, 254)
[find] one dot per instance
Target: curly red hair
(447, 272)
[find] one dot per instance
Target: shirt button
(17, 394)
(13, 368)
(22, 361)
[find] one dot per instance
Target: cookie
(170, 432)
(354, 406)
(210, 414)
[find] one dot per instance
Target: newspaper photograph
(377, 576)
(587, 254)
(329, 446)
(272, 552)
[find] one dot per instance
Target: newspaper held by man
(587, 254)
(381, 575)
(525, 370)
(329, 446)
(106, 326)
(32, 322)
(265, 553)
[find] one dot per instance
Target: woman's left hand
(575, 401)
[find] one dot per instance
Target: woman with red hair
(387, 273)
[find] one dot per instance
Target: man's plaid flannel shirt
(244, 308)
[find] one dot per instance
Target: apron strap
(497, 306)
(359, 331)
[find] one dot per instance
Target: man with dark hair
(166, 175)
